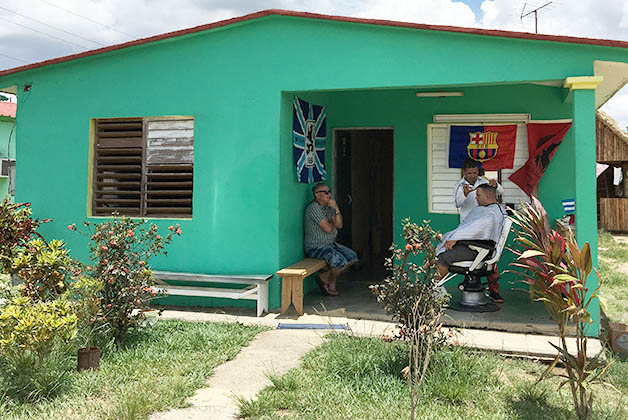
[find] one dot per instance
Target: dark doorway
(364, 191)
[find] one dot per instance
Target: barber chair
(473, 297)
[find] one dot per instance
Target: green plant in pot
(85, 293)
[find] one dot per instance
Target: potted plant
(85, 294)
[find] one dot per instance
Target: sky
(36, 30)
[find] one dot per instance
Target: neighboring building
(227, 125)
(612, 180)
(7, 149)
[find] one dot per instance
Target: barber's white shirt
(468, 203)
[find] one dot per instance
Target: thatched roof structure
(612, 140)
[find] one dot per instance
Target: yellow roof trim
(583, 82)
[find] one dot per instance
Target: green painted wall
(238, 83)
(7, 148)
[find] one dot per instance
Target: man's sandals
(324, 287)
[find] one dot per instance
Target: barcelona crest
(482, 146)
(309, 130)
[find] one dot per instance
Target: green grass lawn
(613, 267)
(159, 368)
(359, 378)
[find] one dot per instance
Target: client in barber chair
(483, 224)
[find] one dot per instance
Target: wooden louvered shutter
(119, 147)
(169, 167)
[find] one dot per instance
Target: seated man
(483, 223)
(321, 222)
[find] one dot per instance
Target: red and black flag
(543, 141)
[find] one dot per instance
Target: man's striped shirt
(313, 234)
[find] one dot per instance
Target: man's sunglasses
(324, 191)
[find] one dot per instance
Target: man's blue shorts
(336, 255)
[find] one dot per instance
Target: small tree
(557, 271)
(120, 250)
(409, 295)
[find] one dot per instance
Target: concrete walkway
(518, 344)
(272, 352)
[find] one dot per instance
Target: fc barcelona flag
(309, 129)
(492, 146)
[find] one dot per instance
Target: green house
(227, 89)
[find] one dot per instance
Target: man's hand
(492, 183)
(333, 204)
(449, 245)
(466, 189)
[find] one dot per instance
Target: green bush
(32, 339)
(44, 268)
(33, 327)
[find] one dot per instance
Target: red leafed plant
(557, 270)
(17, 227)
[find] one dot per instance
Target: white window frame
(521, 156)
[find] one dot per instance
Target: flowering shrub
(409, 295)
(409, 282)
(120, 250)
(16, 229)
(556, 270)
(44, 268)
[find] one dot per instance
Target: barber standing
(464, 190)
(465, 201)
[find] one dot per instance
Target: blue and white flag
(569, 206)
(309, 130)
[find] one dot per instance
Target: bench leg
(262, 298)
(297, 294)
(286, 293)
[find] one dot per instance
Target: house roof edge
(309, 15)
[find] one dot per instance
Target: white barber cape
(468, 203)
(483, 223)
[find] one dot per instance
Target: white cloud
(436, 12)
(617, 108)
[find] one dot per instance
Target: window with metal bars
(143, 167)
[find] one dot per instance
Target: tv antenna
(536, 19)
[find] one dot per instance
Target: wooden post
(286, 293)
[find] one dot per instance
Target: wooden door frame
(334, 159)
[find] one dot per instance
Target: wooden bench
(292, 282)
(257, 288)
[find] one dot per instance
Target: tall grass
(157, 369)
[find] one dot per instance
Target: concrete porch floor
(517, 313)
